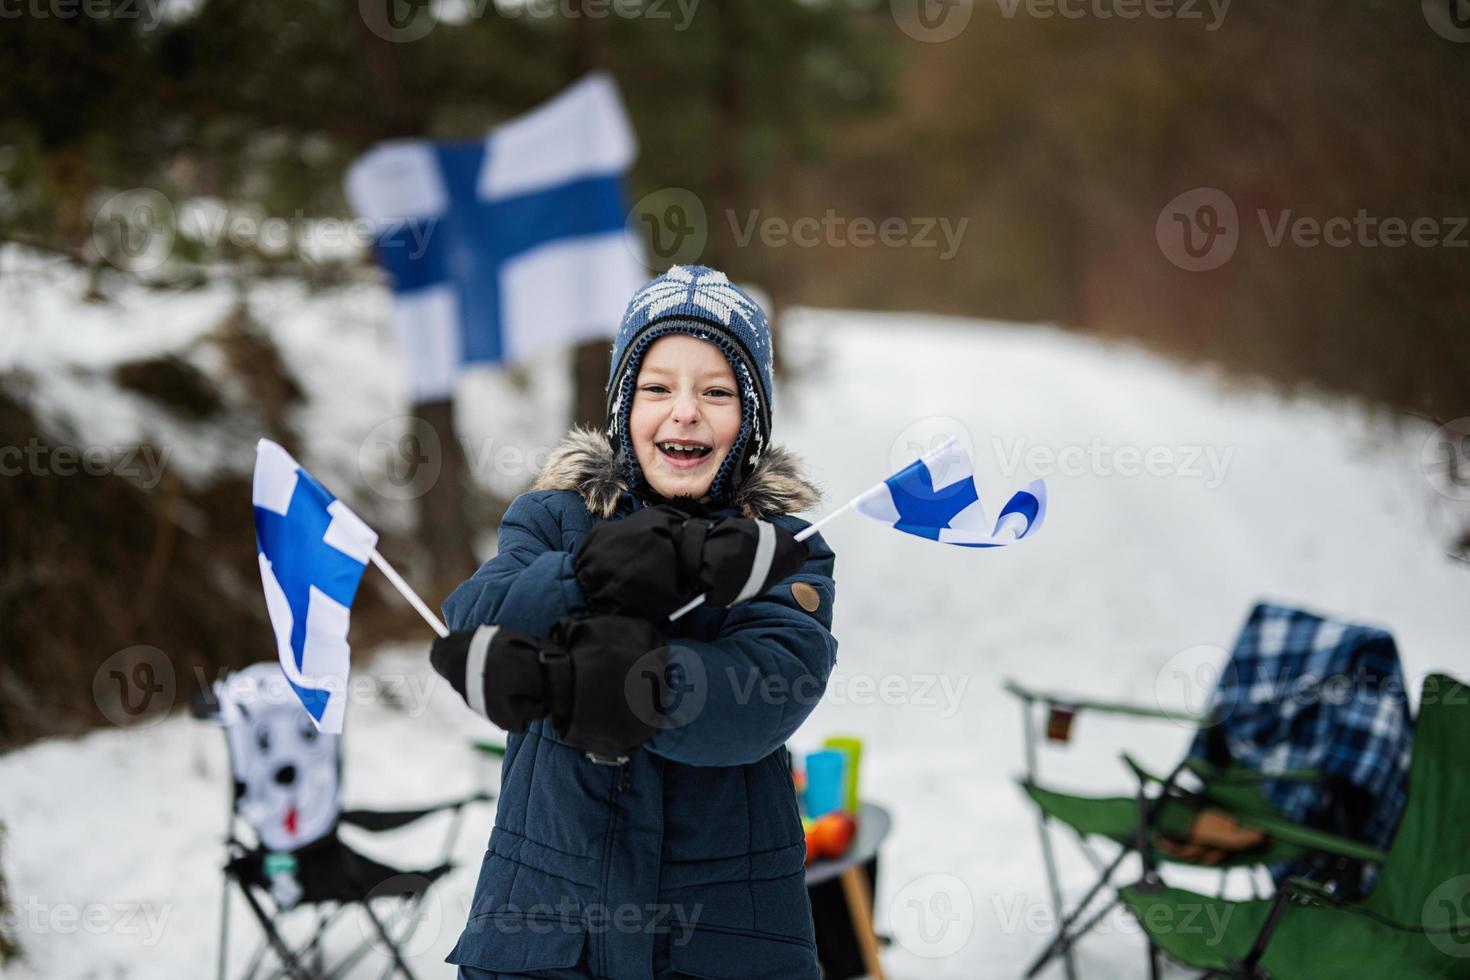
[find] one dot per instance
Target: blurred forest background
(1053, 142)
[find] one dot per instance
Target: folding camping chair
(1414, 923)
(284, 853)
(1286, 782)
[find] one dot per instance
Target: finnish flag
(501, 247)
(935, 498)
(312, 552)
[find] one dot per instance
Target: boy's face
(685, 395)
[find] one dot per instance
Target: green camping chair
(1161, 806)
(1415, 923)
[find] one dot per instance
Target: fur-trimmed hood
(585, 462)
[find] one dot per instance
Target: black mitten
(617, 673)
(631, 565)
(503, 675)
(657, 559)
(734, 558)
(599, 679)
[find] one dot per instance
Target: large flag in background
(312, 551)
(501, 247)
(935, 497)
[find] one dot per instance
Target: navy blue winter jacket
(688, 859)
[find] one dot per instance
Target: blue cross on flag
(500, 247)
(312, 551)
(935, 497)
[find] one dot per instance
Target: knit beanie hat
(703, 303)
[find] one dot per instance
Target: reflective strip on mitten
(743, 558)
(499, 672)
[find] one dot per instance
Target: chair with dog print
(284, 853)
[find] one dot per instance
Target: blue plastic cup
(824, 782)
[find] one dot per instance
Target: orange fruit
(833, 832)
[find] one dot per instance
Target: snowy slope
(1136, 583)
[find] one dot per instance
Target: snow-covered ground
(1176, 501)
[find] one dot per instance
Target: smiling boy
(647, 823)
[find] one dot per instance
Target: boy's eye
(655, 388)
(720, 392)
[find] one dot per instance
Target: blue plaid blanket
(1302, 691)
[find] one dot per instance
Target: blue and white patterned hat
(701, 302)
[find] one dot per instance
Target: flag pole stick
(811, 529)
(408, 593)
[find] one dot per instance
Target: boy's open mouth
(683, 451)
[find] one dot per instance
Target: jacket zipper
(607, 846)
